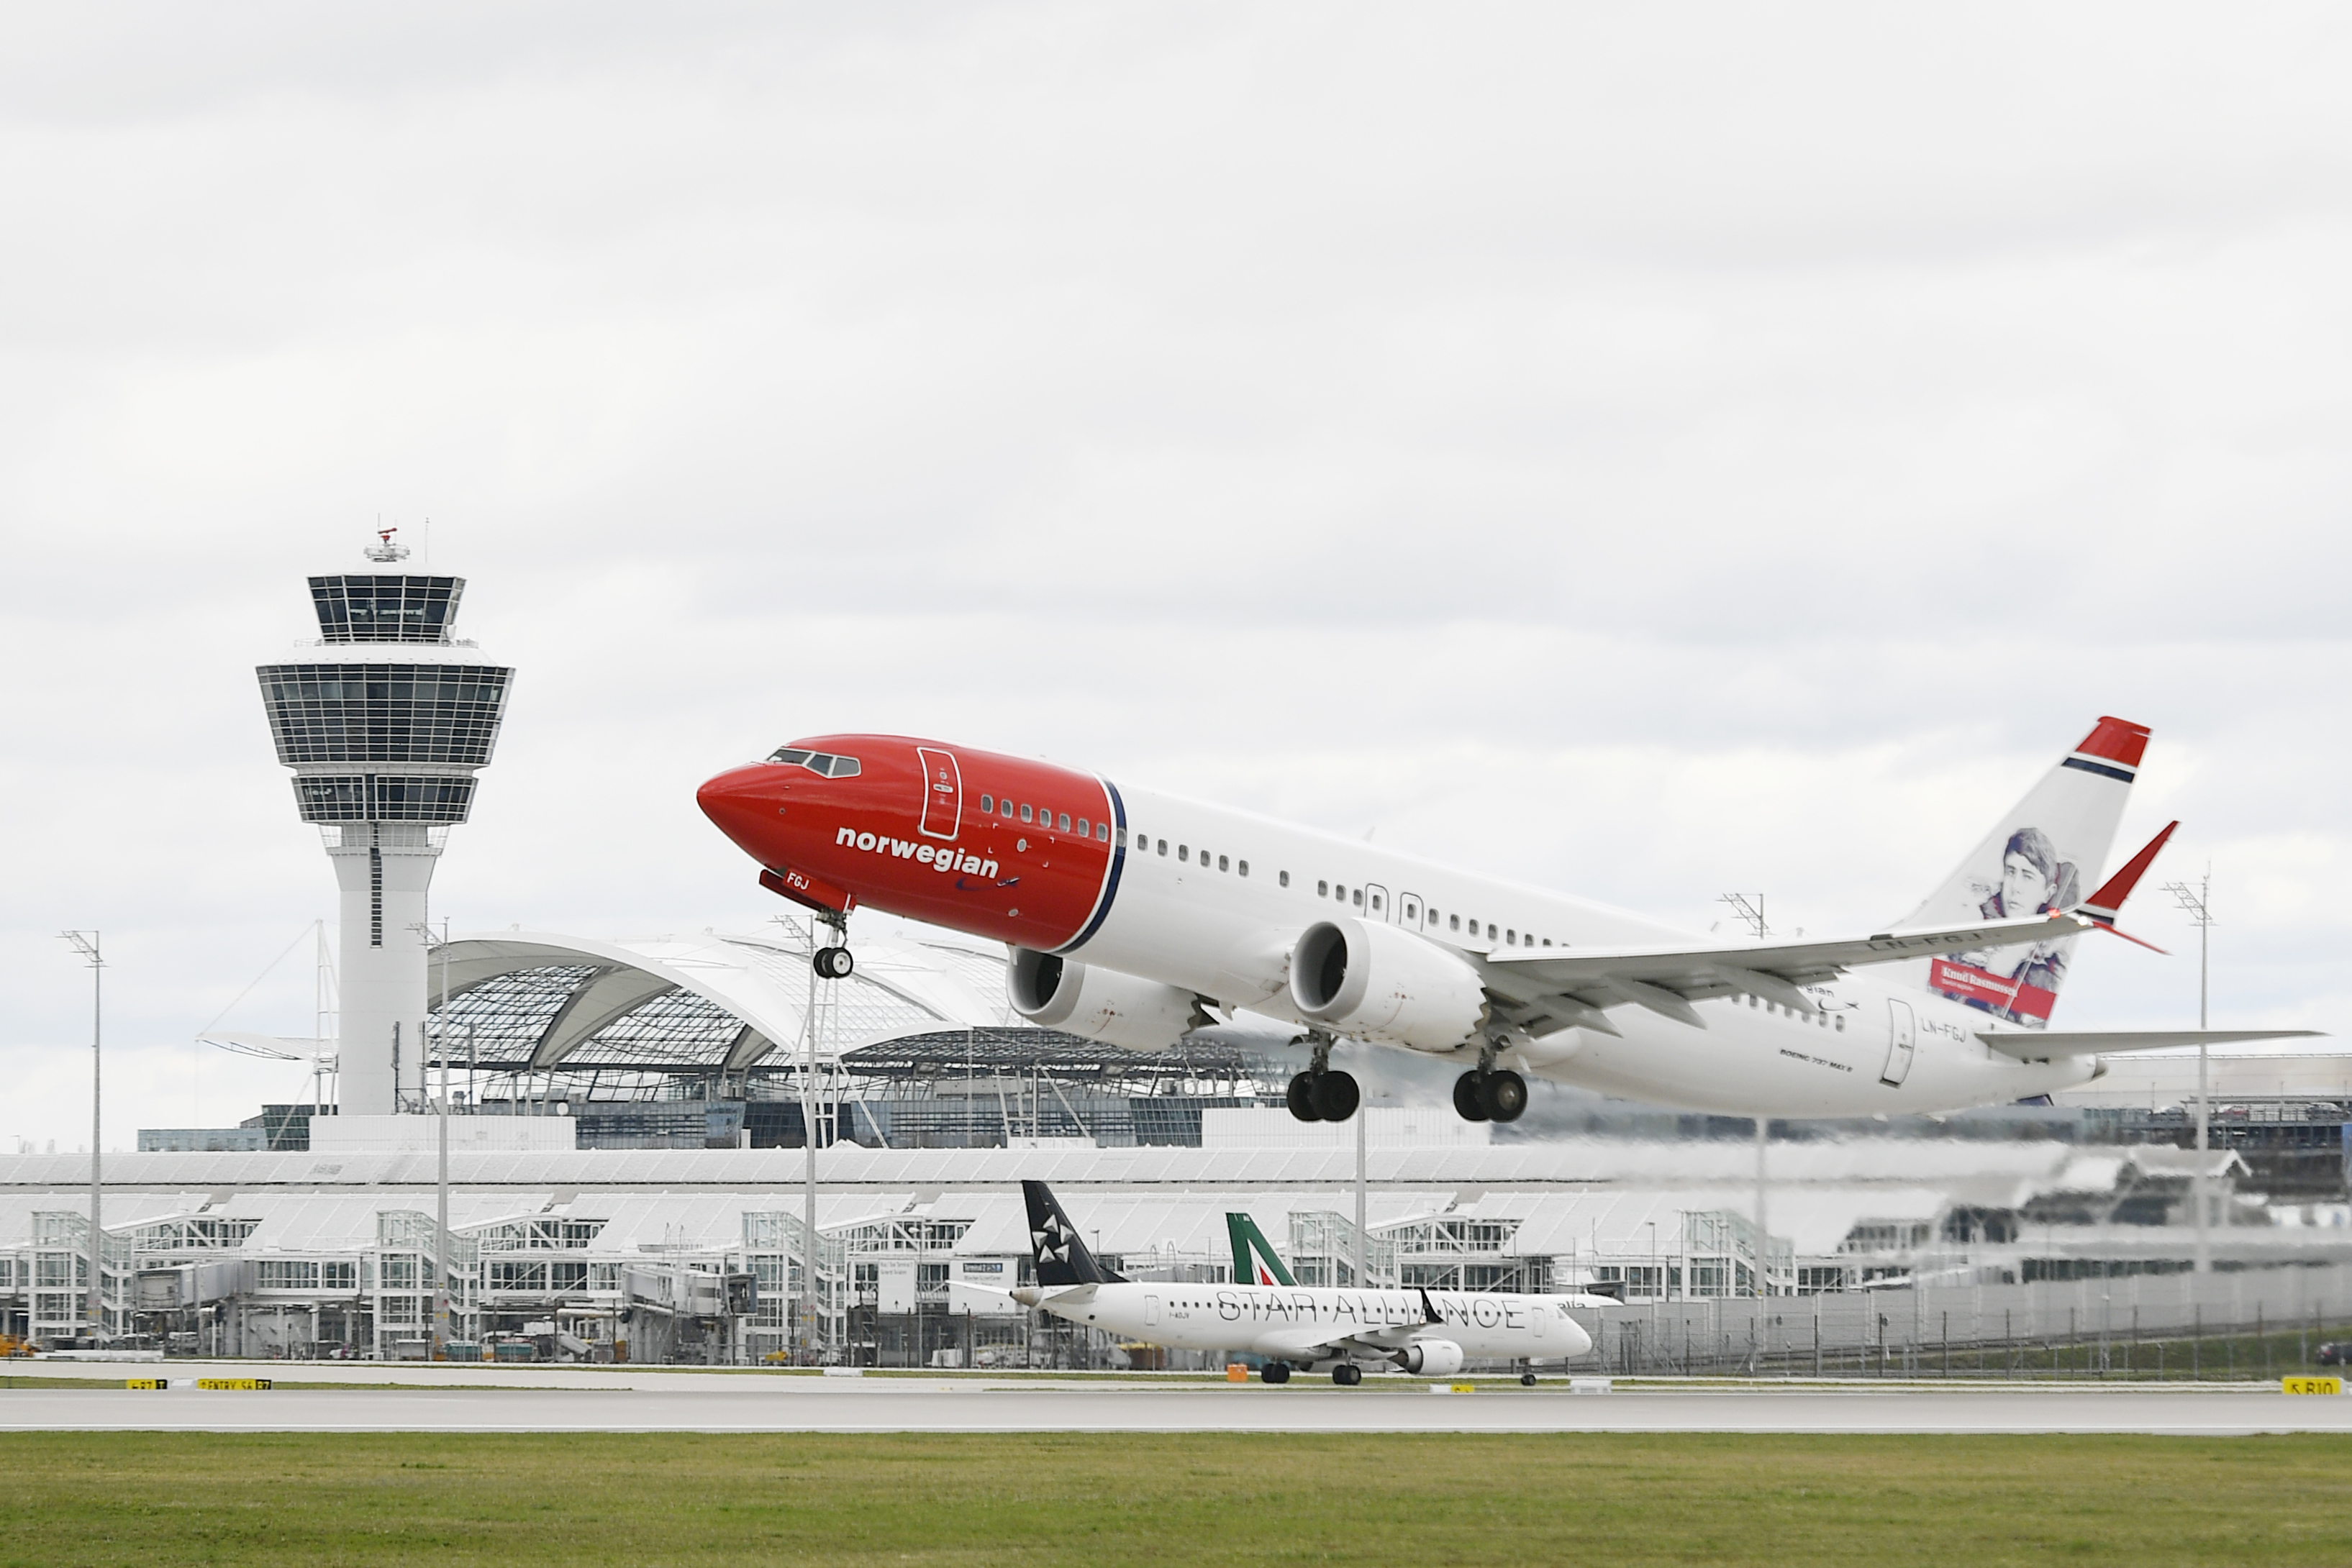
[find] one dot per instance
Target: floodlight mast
(2197, 902)
(85, 944)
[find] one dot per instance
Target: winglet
(2107, 901)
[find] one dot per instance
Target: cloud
(1644, 453)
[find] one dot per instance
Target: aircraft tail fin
(2044, 853)
(1255, 1262)
(1056, 1246)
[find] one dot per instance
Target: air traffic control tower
(385, 721)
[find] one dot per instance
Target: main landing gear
(1496, 1094)
(1321, 1095)
(1347, 1374)
(1275, 1372)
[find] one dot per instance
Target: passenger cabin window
(1282, 879)
(1359, 898)
(1490, 931)
(1376, 902)
(1223, 864)
(1102, 833)
(1066, 822)
(1184, 852)
(1322, 889)
(1083, 830)
(987, 803)
(1457, 922)
(1163, 846)
(1243, 867)
(1005, 806)
(1024, 813)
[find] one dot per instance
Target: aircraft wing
(1555, 987)
(2038, 1045)
(1319, 1344)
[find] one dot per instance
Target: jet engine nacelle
(1100, 1004)
(1375, 982)
(1431, 1358)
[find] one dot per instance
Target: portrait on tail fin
(2017, 984)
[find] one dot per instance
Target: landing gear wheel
(832, 963)
(1275, 1372)
(1503, 1096)
(1469, 1102)
(1347, 1375)
(1300, 1098)
(1526, 1380)
(1335, 1096)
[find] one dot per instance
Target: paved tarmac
(715, 1403)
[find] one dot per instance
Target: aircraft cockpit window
(816, 762)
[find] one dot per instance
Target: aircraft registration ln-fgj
(1346, 1333)
(1134, 916)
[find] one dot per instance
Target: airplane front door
(942, 793)
(1900, 1045)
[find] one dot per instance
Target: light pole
(85, 944)
(441, 1216)
(2197, 902)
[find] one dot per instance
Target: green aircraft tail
(1255, 1262)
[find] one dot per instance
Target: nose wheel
(1326, 1096)
(1497, 1096)
(832, 963)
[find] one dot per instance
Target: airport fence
(2246, 1323)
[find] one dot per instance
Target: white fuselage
(1315, 1327)
(1190, 917)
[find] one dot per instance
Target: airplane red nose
(743, 801)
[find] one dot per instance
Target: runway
(721, 1405)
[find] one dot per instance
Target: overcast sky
(1650, 451)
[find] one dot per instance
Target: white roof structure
(536, 1000)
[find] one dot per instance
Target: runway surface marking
(893, 1405)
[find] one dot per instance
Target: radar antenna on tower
(385, 549)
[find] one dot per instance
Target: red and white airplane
(1134, 916)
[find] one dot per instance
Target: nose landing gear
(832, 962)
(1321, 1095)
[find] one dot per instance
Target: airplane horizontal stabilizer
(2034, 1045)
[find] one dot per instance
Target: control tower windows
(383, 713)
(383, 608)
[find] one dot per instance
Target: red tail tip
(2115, 740)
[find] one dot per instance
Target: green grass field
(518, 1501)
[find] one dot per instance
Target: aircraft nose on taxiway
(746, 804)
